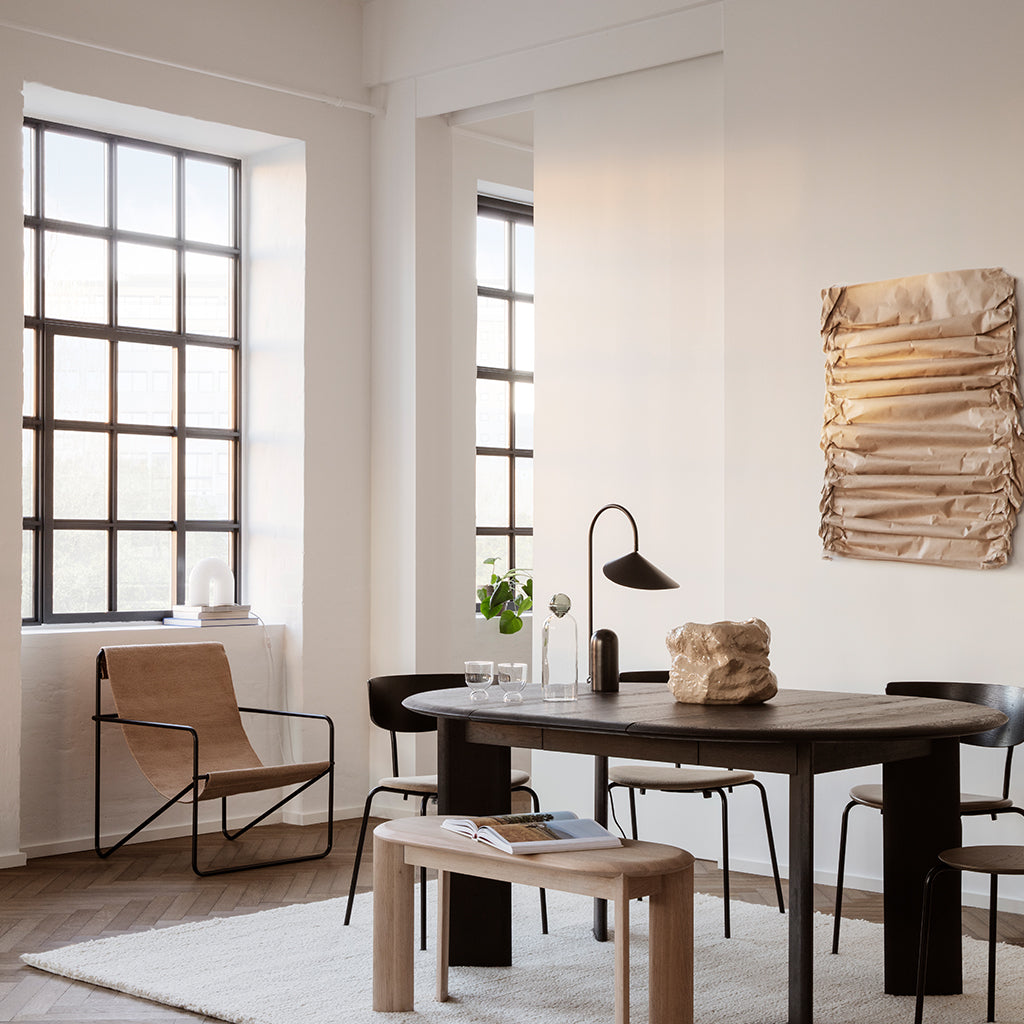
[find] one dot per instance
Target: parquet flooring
(54, 901)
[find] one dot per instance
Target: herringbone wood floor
(54, 901)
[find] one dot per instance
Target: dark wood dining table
(798, 733)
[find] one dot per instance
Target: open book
(534, 833)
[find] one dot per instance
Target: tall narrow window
(504, 386)
(131, 417)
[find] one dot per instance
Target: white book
(248, 620)
(209, 611)
(534, 833)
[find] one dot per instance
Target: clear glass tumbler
(479, 675)
(512, 679)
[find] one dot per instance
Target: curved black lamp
(631, 570)
(634, 571)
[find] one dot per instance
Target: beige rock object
(721, 663)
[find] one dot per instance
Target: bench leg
(670, 980)
(443, 891)
(622, 955)
(393, 926)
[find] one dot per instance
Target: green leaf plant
(507, 596)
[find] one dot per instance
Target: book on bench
(546, 832)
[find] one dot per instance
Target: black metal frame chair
(991, 860)
(248, 778)
(1004, 697)
(706, 781)
(386, 694)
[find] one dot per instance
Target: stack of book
(210, 615)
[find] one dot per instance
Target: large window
(131, 413)
(504, 386)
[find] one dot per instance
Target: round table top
(650, 710)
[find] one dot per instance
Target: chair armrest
(300, 714)
(117, 720)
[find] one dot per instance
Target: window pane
(524, 414)
(492, 485)
(143, 478)
(28, 473)
(29, 272)
(76, 277)
(492, 420)
(79, 571)
(208, 202)
(145, 191)
(145, 571)
(492, 333)
(80, 378)
(490, 547)
(27, 168)
(207, 478)
(74, 186)
(523, 336)
(524, 553)
(145, 383)
(209, 387)
(491, 252)
(208, 294)
(207, 545)
(523, 241)
(28, 372)
(28, 573)
(79, 475)
(146, 287)
(524, 492)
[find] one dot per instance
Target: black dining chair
(706, 781)
(1003, 697)
(991, 860)
(386, 694)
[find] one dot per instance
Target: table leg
(474, 779)
(921, 817)
(600, 927)
(801, 888)
(392, 928)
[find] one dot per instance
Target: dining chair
(991, 860)
(386, 694)
(1004, 697)
(706, 781)
(176, 706)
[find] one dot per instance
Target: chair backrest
(386, 694)
(644, 676)
(1003, 697)
(181, 684)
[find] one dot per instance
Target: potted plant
(506, 596)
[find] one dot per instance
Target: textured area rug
(300, 965)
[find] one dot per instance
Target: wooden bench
(617, 874)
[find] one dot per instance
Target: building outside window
(131, 418)
(504, 386)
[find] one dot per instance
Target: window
(131, 418)
(504, 386)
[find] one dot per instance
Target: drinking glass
(512, 679)
(478, 677)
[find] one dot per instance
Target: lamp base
(604, 661)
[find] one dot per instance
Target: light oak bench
(617, 874)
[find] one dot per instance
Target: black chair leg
(993, 898)
(611, 807)
(632, 811)
(543, 893)
(837, 919)
(771, 845)
(926, 927)
(359, 854)
(725, 860)
(423, 884)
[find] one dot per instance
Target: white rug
(300, 965)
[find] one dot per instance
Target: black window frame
(511, 213)
(42, 525)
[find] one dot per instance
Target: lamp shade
(635, 571)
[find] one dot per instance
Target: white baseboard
(12, 860)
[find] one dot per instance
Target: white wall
(628, 195)
(307, 562)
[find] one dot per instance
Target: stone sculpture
(721, 663)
